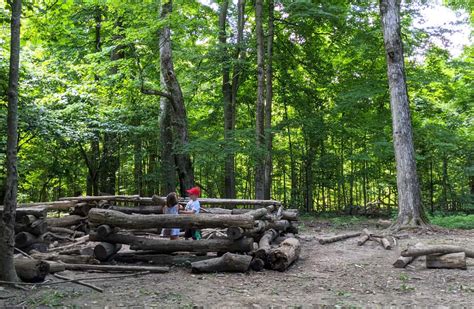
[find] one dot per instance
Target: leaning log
(65, 221)
(170, 246)
(437, 249)
(264, 245)
(384, 242)
(117, 268)
(31, 270)
(403, 261)
(332, 239)
(118, 219)
(229, 262)
(104, 251)
(285, 254)
(450, 260)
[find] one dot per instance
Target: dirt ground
(341, 274)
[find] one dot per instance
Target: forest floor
(341, 274)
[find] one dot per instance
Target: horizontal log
(36, 228)
(38, 211)
(31, 270)
(229, 262)
(65, 221)
(450, 260)
(25, 239)
(72, 259)
(64, 230)
(104, 251)
(102, 198)
(118, 219)
(144, 210)
(171, 246)
(159, 259)
(117, 268)
(332, 239)
(437, 249)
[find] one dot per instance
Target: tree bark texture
(268, 102)
(260, 105)
(7, 220)
(182, 157)
(451, 260)
(409, 195)
(285, 254)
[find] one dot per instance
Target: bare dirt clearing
(341, 274)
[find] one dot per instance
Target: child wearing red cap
(192, 207)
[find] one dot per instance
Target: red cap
(194, 191)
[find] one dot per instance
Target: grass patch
(465, 222)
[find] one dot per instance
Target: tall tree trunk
(183, 159)
(268, 103)
(7, 222)
(168, 169)
(260, 108)
(138, 165)
(229, 166)
(410, 211)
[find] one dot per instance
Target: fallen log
(257, 213)
(118, 219)
(64, 230)
(257, 264)
(264, 245)
(37, 247)
(31, 270)
(28, 219)
(332, 239)
(289, 215)
(144, 210)
(36, 228)
(78, 242)
(285, 254)
(38, 211)
(171, 246)
(82, 209)
(65, 221)
(382, 241)
(72, 259)
(104, 230)
(437, 249)
(403, 261)
(229, 262)
(104, 251)
(159, 259)
(450, 260)
(25, 239)
(122, 198)
(55, 267)
(116, 268)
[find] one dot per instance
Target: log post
(229, 262)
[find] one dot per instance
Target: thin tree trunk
(138, 165)
(410, 212)
(268, 103)
(180, 121)
(7, 222)
(260, 108)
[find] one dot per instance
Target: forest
(310, 76)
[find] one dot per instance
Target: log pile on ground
(437, 256)
(98, 231)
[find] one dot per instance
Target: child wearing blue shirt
(193, 207)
